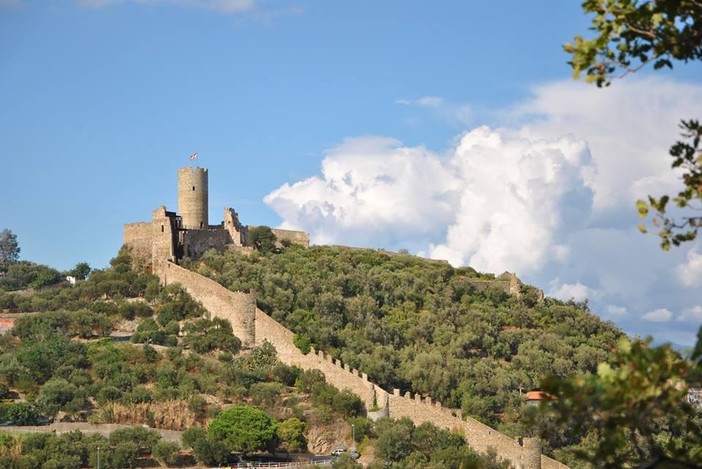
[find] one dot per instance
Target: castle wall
(163, 236)
(138, 236)
(524, 454)
(236, 307)
(337, 374)
(237, 232)
(294, 237)
(193, 198)
(196, 242)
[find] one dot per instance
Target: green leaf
(642, 207)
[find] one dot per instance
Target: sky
(451, 129)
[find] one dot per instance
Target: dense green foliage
(402, 445)
(262, 238)
(25, 274)
(76, 450)
(243, 429)
(60, 362)
(633, 412)
(452, 334)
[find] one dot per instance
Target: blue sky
(452, 129)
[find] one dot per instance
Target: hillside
(422, 326)
(120, 348)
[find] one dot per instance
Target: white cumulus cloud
(372, 191)
(569, 291)
(693, 314)
(658, 315)
(690, 272)
(629, 127)
(494, 201)
(616, 310)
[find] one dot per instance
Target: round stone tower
(192, 197)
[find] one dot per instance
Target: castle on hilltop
(172, 236)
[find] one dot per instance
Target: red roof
(539, 396)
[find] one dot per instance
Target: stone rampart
(196, 242)
(335, 373)
(294, 237)
(236, 307)
(259, 327)
(138, 236)
(521, 453)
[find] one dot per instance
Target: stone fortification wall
(196, 242)
(138, 236)
(236, 230)
(336, 373)
(523, 453)
(237, 307)
(294, 237)
(163, 236)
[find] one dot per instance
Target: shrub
(166, 452)
(302, 343)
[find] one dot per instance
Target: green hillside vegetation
(422, 326)
(178, 371)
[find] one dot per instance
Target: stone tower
(192, 197)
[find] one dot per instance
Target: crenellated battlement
(192, 169)
(255, 327)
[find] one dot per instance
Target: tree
(630, 34)
(634, 410)
(80, 271)
(9, 249)
(205, 451)
(262, 238)
(291, 433)
(394, 439)
(243, 429)
(166, 453)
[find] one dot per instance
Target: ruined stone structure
(254, 327)
(171, 236)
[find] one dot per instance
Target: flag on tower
(193, 156)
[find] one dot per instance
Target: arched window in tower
(193, 187)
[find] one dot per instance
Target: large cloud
(628, 126)
(494, 202)
(548, 194)
(375, 192)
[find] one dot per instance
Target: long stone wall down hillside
(335, 373)
(236, 307)
(478, 435)
(254, 326)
